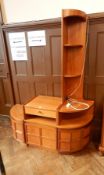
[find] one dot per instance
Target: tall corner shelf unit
(64, 123)
(74, 24)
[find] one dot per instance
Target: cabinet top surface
(45, 102)
(76, 106)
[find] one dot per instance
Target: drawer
(76, 135)
(33, 140)
(64, 135)
(49, 132)
(18, 126)
(86, 131)
(40, 112)
(85, 141)
(32, 129)
(64, 147)
(19, 137)
(48, 143)
(13, 123)
(75, 146)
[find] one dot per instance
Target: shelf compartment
(73, 61)
(76, 122)
(74, 30)
(70, 86)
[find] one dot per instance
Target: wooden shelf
(42, 121)
(73, 45)
(73, 51)
(76, 122)
(72, 76)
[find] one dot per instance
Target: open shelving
(76, 114)
(74, 24)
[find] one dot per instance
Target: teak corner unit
(74, 24)
(55, 123)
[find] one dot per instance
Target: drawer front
(64, 147)
(48, 143)
(18, 126)
(33, 140)
(86, 131)
(64, 135)
(13, 123)
(20, 137)
(32, 129)
(49, 133)
(40, 112)
(75, 146)
(85, 141)
(76, 135)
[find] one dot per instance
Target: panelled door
(95, 72)
(40, 74)
(6, 95)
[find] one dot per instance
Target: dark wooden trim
(41, 23)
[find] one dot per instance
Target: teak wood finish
(17, 121)
(70, 134)
(94, 71)
(73, 52)
(46, 121)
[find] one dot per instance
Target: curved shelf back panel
(73, 59)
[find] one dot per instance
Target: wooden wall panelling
(20, 71)
(95, 71)
(6, 95)
(45, 63)
(40, 74)
(53, 55)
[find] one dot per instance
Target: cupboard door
(64, 146)
(48, 143)
(32, 130)
(49, 133)
(33, 140)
